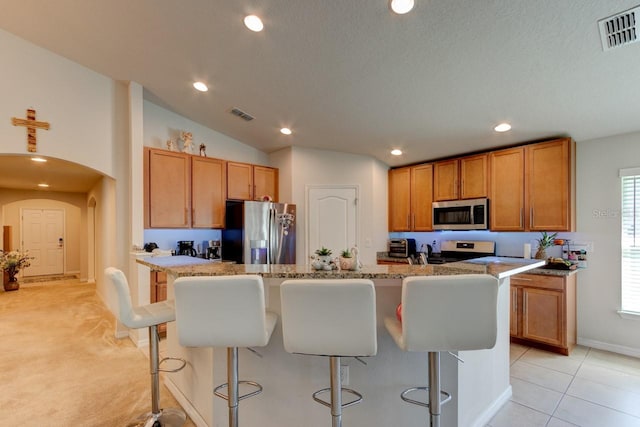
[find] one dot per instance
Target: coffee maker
(185, 247)
(213, 250)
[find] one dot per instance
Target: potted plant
(346, 260)
(545, 241)
(324, 254)
(11, 263)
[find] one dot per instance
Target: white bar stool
(148, 316)
(224, 311)
(428, 324)
(335, 318)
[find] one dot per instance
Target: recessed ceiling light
(200, 86)
(502, 127)
(285, 131)
(43, 185)
(396, 152)
(38, 159)
(253, 23)
(401, 6)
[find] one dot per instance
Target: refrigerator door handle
(270, 228)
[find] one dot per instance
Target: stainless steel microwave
(472, 214)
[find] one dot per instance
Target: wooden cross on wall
(31, 124)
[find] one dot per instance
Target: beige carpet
(60, 364)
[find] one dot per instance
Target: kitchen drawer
(538, 281)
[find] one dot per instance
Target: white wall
(77, 102)
(161, 124)
(321, 167)
(598, 206)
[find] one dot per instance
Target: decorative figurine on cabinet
(171, 145)
(203, 150)
(187, 138)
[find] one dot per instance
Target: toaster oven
(402, 248)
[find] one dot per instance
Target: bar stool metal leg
(232, 380)
(154, 356)
(435, 404)
(169, 417)
(336, 391)
(232, 385)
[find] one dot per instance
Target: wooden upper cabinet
(168, 201)
(445, 180)
(506, 190)
(208, 192)
(239, 181)
(550, 176)
(265, 182)
(422, 197)
(461, 178)
(250, 182)
(474, 173)
(410, 198)
(399, 199)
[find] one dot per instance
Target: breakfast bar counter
(479, 386)
(181, 266)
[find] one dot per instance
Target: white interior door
(332, 218)
(43, 237)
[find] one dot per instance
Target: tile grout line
(573, 377)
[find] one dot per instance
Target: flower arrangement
(11, 262)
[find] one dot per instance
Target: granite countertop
(187, 266)
(382, 256)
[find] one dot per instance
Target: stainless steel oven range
(460, 250)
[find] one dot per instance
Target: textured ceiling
(349, 75)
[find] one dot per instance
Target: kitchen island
(480, 386)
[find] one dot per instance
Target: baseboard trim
(614, 348)
(184, 402)
(494, 408)
(122, 334)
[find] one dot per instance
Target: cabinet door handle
(531, 217)
(414, 222)
(185, 215)
(521, 216)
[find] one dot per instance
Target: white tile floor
(588, 388)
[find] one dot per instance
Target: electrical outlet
(344, 374)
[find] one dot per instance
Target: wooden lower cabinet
(158, 282)
(543, 311)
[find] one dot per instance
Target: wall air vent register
(619, 30)
(244, 116)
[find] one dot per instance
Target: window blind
(630, 217)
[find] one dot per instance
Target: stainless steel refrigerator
(259, 233)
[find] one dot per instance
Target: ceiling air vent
(620, 29)
(244, 116)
